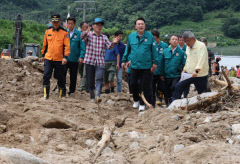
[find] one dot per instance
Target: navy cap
(55, 17)
(98, 20)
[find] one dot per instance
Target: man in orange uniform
(56, 48)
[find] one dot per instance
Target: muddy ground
(66, 130)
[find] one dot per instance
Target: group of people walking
(153, 67)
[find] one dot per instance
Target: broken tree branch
(227, 79)
(224, 84)
(145, 101)
(106, 138)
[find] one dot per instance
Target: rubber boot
(61, 92)
(46, 89)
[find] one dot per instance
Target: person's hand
(80, 60)
(194, 74)
(128, 64)
(162, 78)
(88, 29)
(154, 67)
(123, 66)
(42, 59)
(64, 61)
(117, 67)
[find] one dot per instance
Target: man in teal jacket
(77, 53)
(158, 83)
(182, 44)
(142, 51)
(173, 62)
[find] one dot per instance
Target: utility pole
(84, 7)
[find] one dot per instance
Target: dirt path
(65, 131)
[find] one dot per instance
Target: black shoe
(112, 89)
(107, 91)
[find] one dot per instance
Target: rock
(237, 139)
(18, 156)
(198, 114)
(160, 138)
(90, 142)
(110, 102)
(19, 137)
(34, 63)
(134, 145)
(116, 133)
(177, 148)
(151, 147)
(207, 120)
(188, 117)
(61, 147)
(31, 58)
(3, 128)
(228, 140)
(28, 73)
(175, 117)
(236, 129)
(134, 134)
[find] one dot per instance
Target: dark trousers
(49, 65)
(170, 84)
(73, 68)
(199, 82)
(129, 83)
(155, 88)
(94, 73)
(141, 81)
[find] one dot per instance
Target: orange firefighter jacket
(56, 44)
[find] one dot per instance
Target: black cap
(55, 17)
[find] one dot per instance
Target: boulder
(18, 156)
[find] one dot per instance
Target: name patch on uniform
(75, 36)
(145, 40)
(161, 49)
(49, 34)
(177, 54)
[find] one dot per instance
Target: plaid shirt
(96, 48)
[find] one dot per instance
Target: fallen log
(226, 77)
(106, 139)
(197, 102)
(225, 84)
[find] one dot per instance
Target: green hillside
(218, 20)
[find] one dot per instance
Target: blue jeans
(199, 82)
(94, 73)
(119, 80)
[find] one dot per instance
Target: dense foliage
(117, 13)
(231, 27)
(213, 19)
